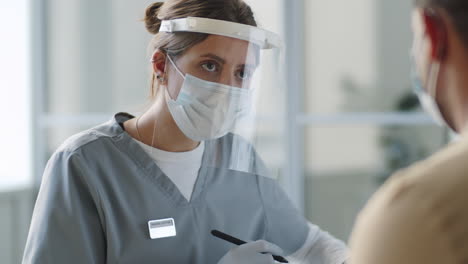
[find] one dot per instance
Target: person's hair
(174, 44)
(456, 9)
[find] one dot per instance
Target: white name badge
(162, 228)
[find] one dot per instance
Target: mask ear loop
(175, 66)
(433, 79)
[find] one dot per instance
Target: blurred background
(352, 119)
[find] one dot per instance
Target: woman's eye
(210, 66)
(243, 74)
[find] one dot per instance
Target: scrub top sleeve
(66, 226)
(285, 225)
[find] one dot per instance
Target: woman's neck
(158, 129)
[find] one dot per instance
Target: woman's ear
(437, 33)
(159, 64)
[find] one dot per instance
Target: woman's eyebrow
(211, 55)
(222, 61)
(247, 65)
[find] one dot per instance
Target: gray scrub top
(100, 189)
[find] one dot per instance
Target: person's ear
(159, 64)
(436, 32)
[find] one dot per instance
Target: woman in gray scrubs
(149, 189)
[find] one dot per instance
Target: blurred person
(420, 215)
(149, 189)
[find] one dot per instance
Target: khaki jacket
(420, 216)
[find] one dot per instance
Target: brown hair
(456, 9)
(174, 44)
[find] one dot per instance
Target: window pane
(356, 56)
(344, 165)
(15, 81)
(96, 56)
(16, 133)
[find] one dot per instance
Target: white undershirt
(181, 167)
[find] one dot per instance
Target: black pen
(239, 242)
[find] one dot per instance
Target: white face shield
(232, 94)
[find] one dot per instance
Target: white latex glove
(251, 253)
